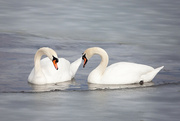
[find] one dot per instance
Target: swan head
(55, 61)
(51, 54)
(87, 54)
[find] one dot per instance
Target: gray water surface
(160, 103)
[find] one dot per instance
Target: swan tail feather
(74, 66)
(150, 75)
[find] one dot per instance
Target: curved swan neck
(37, 58)
(104, 59)
(42, 51)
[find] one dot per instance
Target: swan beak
(55, 64)
(85, 60)
(55, 61)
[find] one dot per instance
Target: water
(145, 32)
(148, 104)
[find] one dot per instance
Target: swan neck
(104, 61)
(37, 58)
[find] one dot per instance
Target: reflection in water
(51, 87)
(117, 86)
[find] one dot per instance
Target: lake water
(139, 31)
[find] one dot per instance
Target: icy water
(139, 31)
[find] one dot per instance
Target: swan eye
(83, 56)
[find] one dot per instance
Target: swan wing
(150, 75)
(74, 67)
(125, 73)
(54, 76)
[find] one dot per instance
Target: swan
(44, 72)
(117, 73)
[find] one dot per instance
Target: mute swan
(117, 73)
(44, 72)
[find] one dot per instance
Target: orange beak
(85, 60)
(55, 64)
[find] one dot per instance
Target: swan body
(117, 73)
(44, 72)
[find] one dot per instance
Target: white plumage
(117, 73)
(44, 71)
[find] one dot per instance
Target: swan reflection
(117, 86)
(51, 87)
